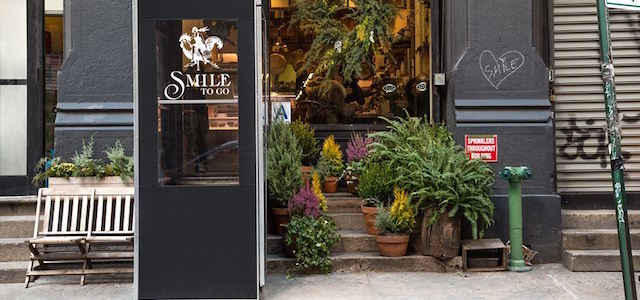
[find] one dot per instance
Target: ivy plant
(313, 239)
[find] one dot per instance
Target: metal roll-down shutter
(582, 155)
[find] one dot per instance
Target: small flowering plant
(316, 183)
(310, 234)
(400, 218)
(330, 163)
(357, 153)
(305, 203)
(357, 149)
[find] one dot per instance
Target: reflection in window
(197, 94)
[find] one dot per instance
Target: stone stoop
(356, 251)
(16, 226)
(590, 240)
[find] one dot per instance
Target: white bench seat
(73, 220)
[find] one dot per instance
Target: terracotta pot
(352, 185)
(306, 173)
(280, 217)
(370, 213)
(330, 185)
(393, 245)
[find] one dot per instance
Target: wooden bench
(81, 226)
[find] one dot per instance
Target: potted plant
(305, 136)
(310, 235)
(284, 176)
(85, 170)
(356, 152)
(395, 225)
(375, 189)
(443, 183)
(330, 164)
(316, 183)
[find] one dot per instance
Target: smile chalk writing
(496, 70)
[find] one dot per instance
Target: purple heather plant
(305, 203)
(357, 147)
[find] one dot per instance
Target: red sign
(483, 147)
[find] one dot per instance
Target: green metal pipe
(515, 176)
(617, 164)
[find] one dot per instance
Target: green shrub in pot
(376, 184)
(305, 136)
(284, 176)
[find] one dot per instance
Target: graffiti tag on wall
(576, 137)
(496, 70)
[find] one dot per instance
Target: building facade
(526, 71)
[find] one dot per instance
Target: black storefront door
(196, 135)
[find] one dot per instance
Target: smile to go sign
(624, 4)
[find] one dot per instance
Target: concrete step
(350, 241)
(596, 219)
(600, 239)
(371, 262)
(595, 260)
(13, 272)
(349, 221)
(13, 249)
(347, 204)
(18, 205)
(19, 226)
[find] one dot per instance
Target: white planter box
(89, 182)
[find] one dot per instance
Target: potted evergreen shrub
(305, 136)
(310, 235)
(375, 188)
(395, 225)
(85, 170)
(330, 164)
(356, 152)
(284, 176)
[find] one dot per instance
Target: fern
(436, 171)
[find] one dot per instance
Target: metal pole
(617, 164)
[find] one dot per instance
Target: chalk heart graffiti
(497, 70)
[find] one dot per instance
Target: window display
(350, 62)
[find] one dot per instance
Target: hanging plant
(339, 51)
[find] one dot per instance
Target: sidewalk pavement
(551, 281)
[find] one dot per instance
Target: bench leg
(28, 278)
(83, 249)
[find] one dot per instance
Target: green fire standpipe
(617, 164)
(515, 176)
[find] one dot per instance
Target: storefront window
(197, 94)
(13, 88)
(313, 40)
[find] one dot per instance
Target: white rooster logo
(197, 49)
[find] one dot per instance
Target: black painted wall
(95, 82)
(481, 37)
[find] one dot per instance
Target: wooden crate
(484, 255)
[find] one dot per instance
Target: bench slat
(56, 214)
(80, 271)
(65, 214)
(98, 216)
(107, 216)
(47, 211)
(127, 213)
(74, 214)
(83, 214)
(116, 219)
